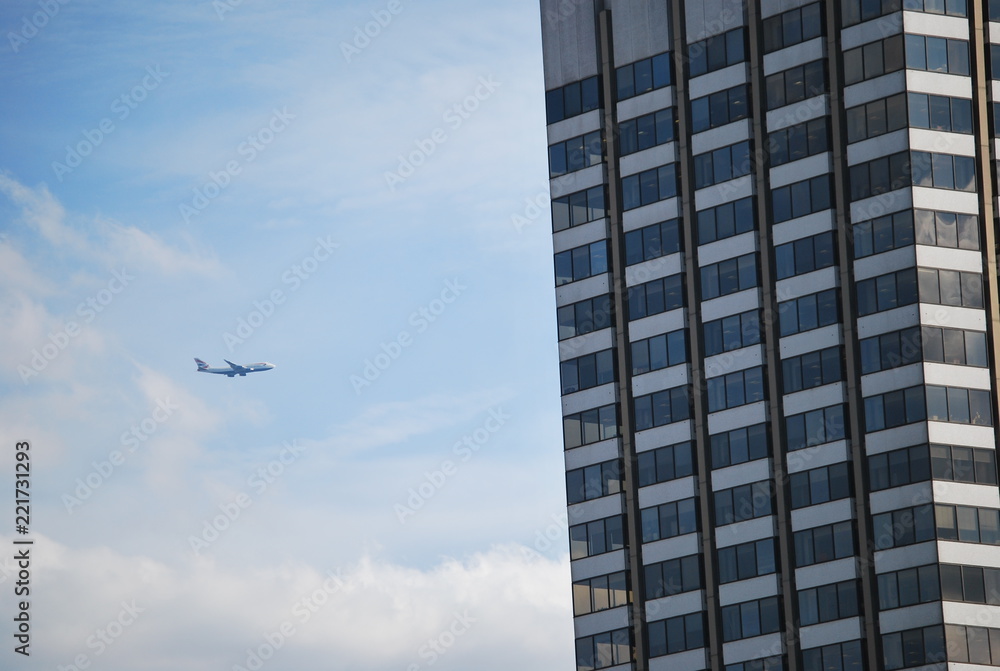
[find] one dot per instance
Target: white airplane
(234, 368)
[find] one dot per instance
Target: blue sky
(229, 180)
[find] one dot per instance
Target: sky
(353, 191)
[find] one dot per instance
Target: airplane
(234, 368)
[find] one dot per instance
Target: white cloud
(499, 609)
(109, 243)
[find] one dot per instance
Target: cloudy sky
(349, 190)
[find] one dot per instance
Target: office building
(774, 228)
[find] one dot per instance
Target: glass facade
(779, 393)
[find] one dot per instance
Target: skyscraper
(774, 226)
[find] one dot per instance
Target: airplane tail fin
(201, 364)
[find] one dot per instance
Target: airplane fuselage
(234, 368)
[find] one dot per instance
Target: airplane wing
(236, 367)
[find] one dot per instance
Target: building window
(649, 130)
(913, 647)
(572, 99)
(732, 332)
(801, 198)
(894, 408)
(668, 520)
(662, 351)
(976, 645)
(656, 296)
(820, 485)
(903, 527)
(593, 482)
(856, 11)
(661, 408)
(586, 316)
(959, 405)
(946, 229)
(873, 60)
(828, 602)
(881, 175)
(673, 577)
(581, 262)
(805, 255)
(937, 54)
(809, 312)
(886, 292)
(994, 10)
(726, 220)
(898, 467)
(590, 370)
(940, 113)
(815, 427)
(722, 165)
(590, 426)
(717, 52)
(665, 463)
(745, 502)
(884, 233)
(971, 584)
(578, 208)
(645, 75)
(600, 593)
(603, 650)
(822, 544)
(967, 524)
(846, 656)
(576, 154)
(649, 186)
(949, 7)
(964, 464)
(652, 242)
(676, 634)
(943, 171)
(799, 141)
(750, 618)
(766, 664)
(720, 108)
(795, 84)
(928, 343)
(878, 117)
(747, 560)
(595, 538)
(729, 276)
(950, 287)
(908, 587)
(747, 443)
(735, 389)
(793, 27)
(955, 346)
(891, 350)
